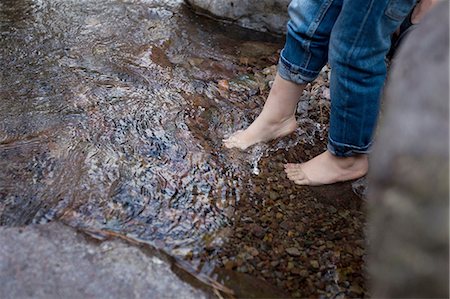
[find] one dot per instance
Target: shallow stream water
(111, 119)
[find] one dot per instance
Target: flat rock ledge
(56, 261)
(265, 16)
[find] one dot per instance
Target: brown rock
(229, 265)
(253, 251)
(223, 84)
(257, 231)
(287, 224)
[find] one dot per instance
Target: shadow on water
(111, 120)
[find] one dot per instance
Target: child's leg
(302, 58)
(359, 42)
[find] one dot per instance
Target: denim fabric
(354, 36)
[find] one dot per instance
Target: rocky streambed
(112, 115)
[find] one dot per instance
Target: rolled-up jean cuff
(294, 73)
(346, 150)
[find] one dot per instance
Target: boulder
(55, 261)
(267, 16)
(409, 176)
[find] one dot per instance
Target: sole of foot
(327, 169)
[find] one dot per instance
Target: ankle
(271, 119)
(351, 162)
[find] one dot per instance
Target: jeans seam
(319, 18)
(343, 132)
(358, 35)
(363, 121)
(313, 28)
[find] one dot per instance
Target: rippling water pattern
(112, 115)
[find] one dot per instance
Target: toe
(296, 176)
(303, 182)
(296, 172)
(232, 135)
(288, 165)
(229, 144)
(293, 171)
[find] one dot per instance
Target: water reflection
(111, 119)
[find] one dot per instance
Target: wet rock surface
(266, 15)
(112, 121)
(409, 195)
(55, 261)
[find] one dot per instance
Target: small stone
(223, 84)
(184, 252)
(269, 70)
(279, 275)
(300, 227)
(280, 248)
(293, 251)
(253, 251)
(268, 238)
(273, 195)
(331, 209)
(257, 231)
(239, 262)
(344, 214)
(244, 60)
(358, 251)
(314, 264)
(304, 273)
(279, 216)
(296, 271)
(290, 265)
(229, 265)
(286, 224)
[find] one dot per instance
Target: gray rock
(409, 179)
(55, 261)
(293, 251)
(267, 15)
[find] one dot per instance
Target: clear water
(112, 116)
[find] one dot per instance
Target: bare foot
(276, 120)
(327, 169)
(260, 130)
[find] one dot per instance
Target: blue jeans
(354, 36)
